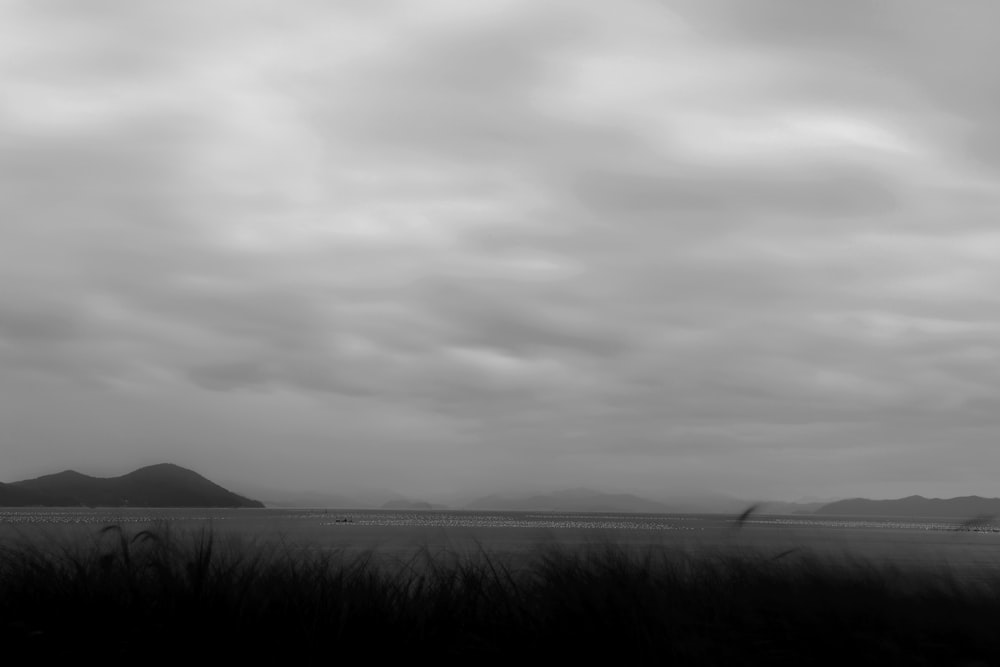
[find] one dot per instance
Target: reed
(159, 596)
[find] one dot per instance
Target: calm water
(909, 542)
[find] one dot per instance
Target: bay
(970, 551)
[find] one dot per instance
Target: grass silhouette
(159, 596)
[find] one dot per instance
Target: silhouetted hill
(161, 485)
(11, 496)
(573, 500)
(916, 506)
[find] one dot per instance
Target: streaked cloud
(738, 246)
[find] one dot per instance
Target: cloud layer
(730, 246)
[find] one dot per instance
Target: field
(158, 591)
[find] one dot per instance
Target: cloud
(552, 239)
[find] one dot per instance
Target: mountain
(705, 504)
(916, 506)
(404, 504)
(161, 485)
(587, 500)
(778, 507)
(11, 496)
(311, 499)
(573, 500)
(344, 497)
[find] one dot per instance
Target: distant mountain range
(916, 506)
(312, 499)
(589, 500)
(404, 504)
(777, 507)
(169, 485)
(572, 500)
(162, 485)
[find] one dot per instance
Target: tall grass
(160, 597)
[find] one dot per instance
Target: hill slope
(15, 497)
(916, 506)
(161, 485)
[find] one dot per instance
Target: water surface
(970, 550)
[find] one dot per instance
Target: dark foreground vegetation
(156, 597)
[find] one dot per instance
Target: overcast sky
(748, 247)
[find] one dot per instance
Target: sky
(452, 247)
